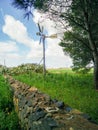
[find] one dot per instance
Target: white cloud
(53, 48)
(36, 50)
(9, 53)
(58, 62)
(48, 24)
(54, 53)
(8, 46)
(18, 32)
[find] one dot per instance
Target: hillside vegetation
(8, 117)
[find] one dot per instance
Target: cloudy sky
(19, 43)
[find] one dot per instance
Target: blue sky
(19, 43)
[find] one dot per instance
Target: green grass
(74, 89)
(8, 117)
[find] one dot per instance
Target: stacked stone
(37, 111)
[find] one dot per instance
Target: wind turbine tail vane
(53, 36)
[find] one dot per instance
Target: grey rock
(47, 97)
(29, 103)
(39, 115)
(52, 109)
(48, 115)
(38, 109)
(86, 116)
(54, 100)
(50, 122)
(68, 109)
(32, 95)
(36, 116)
(60, 104)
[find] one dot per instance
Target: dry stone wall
(37, 111)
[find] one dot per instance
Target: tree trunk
(96, 72)
(92, 44)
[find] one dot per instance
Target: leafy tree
(73, 46)
(83, 35)
(28, 6)
(80, 21)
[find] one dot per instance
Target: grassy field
(8, 117)
(74, 89)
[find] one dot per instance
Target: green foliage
(81, 41)
(28, 5)
(73, 45)
(8, 117)
(9, 121)
(3, 69)
(41, 4)
(25, 68)
(23, 4)
(74, 89)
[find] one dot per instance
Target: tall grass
(74, 89)
(8, 117)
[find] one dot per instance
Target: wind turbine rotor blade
(39, 28)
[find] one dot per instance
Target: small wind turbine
(42, 39)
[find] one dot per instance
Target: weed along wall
(37, 111)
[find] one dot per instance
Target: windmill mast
(44, 65)
(43, 37)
